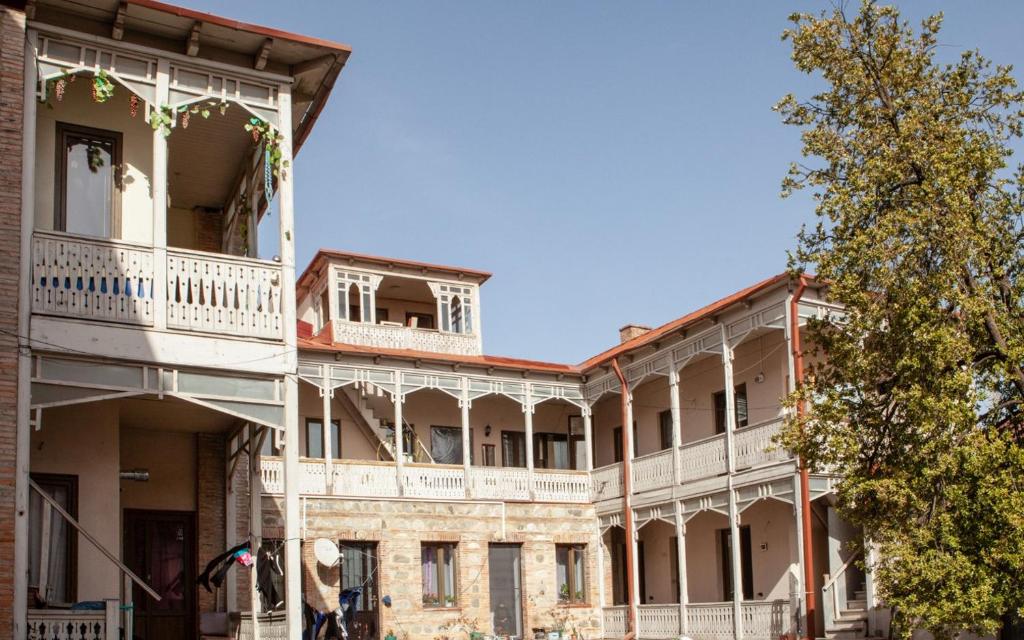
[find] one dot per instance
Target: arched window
(457, 325)
(354, 314)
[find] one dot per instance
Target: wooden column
(734, 516)
(327, 393)
(588, 436)
(797, 503)
(399, 435)
(677, 424)
(684, 595)
(528, 422)
(158, 186)
(467, 452)
(286, 214)
(633, 535)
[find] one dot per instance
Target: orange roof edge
(335, 253)
(241, 26)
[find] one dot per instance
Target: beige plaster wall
(170, 458)
(78, 107)
(83, 441)
(399, 527)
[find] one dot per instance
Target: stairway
(358, 402)
(852, 621)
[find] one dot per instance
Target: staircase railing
(830, 594)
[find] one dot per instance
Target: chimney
(631, 331)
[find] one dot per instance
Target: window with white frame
(356, 296)
(455, 308)
(321, 309)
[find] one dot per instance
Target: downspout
(805, 489)
(627, 489)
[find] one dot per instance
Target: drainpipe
(627, 489)
(805, 490)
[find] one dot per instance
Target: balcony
(761, 620)
(113, 281)
(395, 336)
(368, 479)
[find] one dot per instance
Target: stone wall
(12, 60)
(399, 528)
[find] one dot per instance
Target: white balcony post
(684, 595)
(528, 422)
(255, 523)
(588, 436)
(635, 578)
(797, 503)
(230, 523)
(677, 424)
(399, 435)
(328, 393)
(734, 516)
(286, 215)
(467, 453)
(158, 183)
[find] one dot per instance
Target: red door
(160, 547)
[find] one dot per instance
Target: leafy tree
(917, 396)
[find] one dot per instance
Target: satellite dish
(326, 552)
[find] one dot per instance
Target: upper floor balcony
(390, 304)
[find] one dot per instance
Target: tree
(917, 396)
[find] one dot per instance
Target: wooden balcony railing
(399, 337)
(761, 620)
(114, 281)
(65, 624)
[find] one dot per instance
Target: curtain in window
(562, 572)
(446, 445)
(57, 574)
(577, 574)
(430, 586)
(448, 568)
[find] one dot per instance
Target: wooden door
(159, 546)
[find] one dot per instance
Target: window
(382, 315)
(577, 443)
(359, 570)
(488, 455)
(741, 408)
(617, 444)
(513, 449)
(569, 562)
(60, 549)
(356, 297)
(315, 439)
(423, 320)
(455, 305)
(446, 444)
(407, 436)
(324, 310)
(665, 428)
(270, 566)
(88, 184)
(673, 561)
(725, 548)
(551, 450)
(438, 561)
(456, 314)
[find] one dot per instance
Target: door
(159, 546)
(359, 569)
(746, 575)
(503, 564)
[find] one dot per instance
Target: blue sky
(609, 162)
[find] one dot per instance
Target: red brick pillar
(210, 517)
(12, 65)
(209, 230)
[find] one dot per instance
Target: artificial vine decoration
(202, 109)
(102, 87)
(265, 133)
(133, 105)
(162, 119)
(242, 212)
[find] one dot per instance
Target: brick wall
(12, 50)
(209, 230)
(400, 527)
(210, 470)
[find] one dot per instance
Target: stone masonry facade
(399, 528)
(12, 60)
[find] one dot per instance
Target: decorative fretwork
(192, 84)
(58, 57)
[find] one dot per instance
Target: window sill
(437, 607)
(574, 605)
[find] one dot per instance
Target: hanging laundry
(217, 569)
(244, 558)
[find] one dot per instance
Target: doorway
(503, 563)
(159, 546)
(359, 569)
(746, 559)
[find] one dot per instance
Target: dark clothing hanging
(217, 568)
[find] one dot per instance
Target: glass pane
(449, 576)
(577, 575)
(167, 564)
(430, 586)
(314, 439)
(560, 453)
(562, 572)
(446, 445)
(89, 186)
(335, 440)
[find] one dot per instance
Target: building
(166, 393)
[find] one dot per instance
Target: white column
(630, 445)
(327, 393)
(677, 424)
(734, 516)
(286, 213)
(399, 435)
(588, 436)
(684, 595)
(635, 578)
(253, 247)
(231, 522)
(22, 449)
(467, 452)
(158, 186)
(255, 523)
(528, 421)
(797, 503)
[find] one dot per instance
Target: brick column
(210, 488)
(12, 92)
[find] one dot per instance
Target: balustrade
(400, 337)
(614, 621)
(652, 471)
(65, 624)
(561, 486)
(606, 482)
(658, 621)
(755, 445)
(703, 458)
(500, 483)
(710, 621)
(766, 620)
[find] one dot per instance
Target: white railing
(230, 295)
(273, 626)
(64, 624)
(658, 621)
(754, 445)
(400, 337)
(710, 621)
(272, 475)
(427, 481)
(606, 482)
(561, 486)
(365, 480)
(766, 620)
(614, 621)
(92, 279)
(703, 458)
(652, 471)
(312, 477)
(500, 483)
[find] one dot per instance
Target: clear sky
(609, 162)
